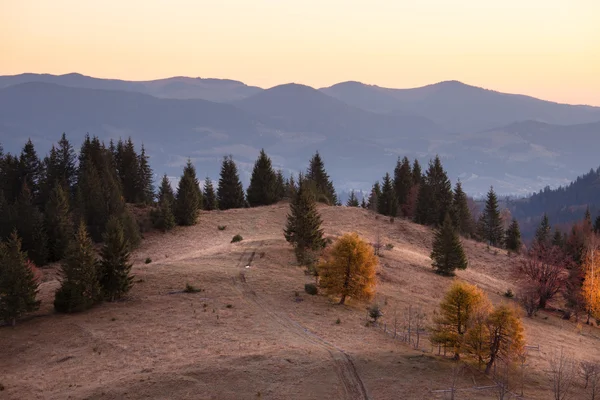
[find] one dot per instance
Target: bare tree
(562, 374)
(420, 321)
(377, 245)
(587, 369)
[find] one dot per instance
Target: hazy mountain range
(517, 143)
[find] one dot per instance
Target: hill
(253, 333)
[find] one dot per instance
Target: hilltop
(252, 332)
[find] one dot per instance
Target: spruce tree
(387, 202)
(435, 195)
(280, 186)
(403, 180)
(417, 173)
(31, 171)
(448, 254)
(303, 228)
(262, 190)
(162, 217)
(165, 191)
(115, 266)
(461, 215)
(291, 188)
(187, 202)
(325, 192)
(18, 285)
(352, 200)
(373, 202)
(129, 171)
(210, 198)
(145, 179)
(513, 237)
(58, 223)
(80, 288)
(230, 193)
(30, 228)
(542, 234)
(363, 203)
(558, 239)
(490, 223)
(66, 163)
(11, 178)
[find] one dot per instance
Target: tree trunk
(342, 300)
(489, 365)
(542, 303)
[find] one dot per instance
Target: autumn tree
(79, 287)
(115, 266)
(230, 193)
(505, 335)
(325, 192)
(303, 229)
(591, 284)
(18, 286)
(455, 315)
(262, 188)
(352, 200)
(513, 237)
(387, 202)
(447, 254)
(349, 269)
(490, 223)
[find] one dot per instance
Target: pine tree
(11, 178)
(448, 254)
(18, 285)
(461, 215)
(31, 170)
(513, 237)
(373, 202)
(230, 193)
(210, 198)
(490, 223)
(291, 188)
(58, 223)
(417, 173)
(162, 217)
(187, 202)
(129, 171)
(558, 239)
(262, 190)
(542, 234)
(80, 288)
(403, 180)
(165, 191)
(279, 186)
(115, 267)
(145, 179)
(363, 203)
(352, 200)
(66, 162)
(435, 195)
(30, 228)
(325, 192)
(303, 228)
(387, 203)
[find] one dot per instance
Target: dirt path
(354, 387)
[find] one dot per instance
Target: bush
(191, 289)
(392, 220)
(509, 293)
(389, 246)
(375, 312)
(311, 289)
(222, 227)
(338, 321)
(229, 306)
(148, 260)
(237, 238)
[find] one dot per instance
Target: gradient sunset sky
(545, 48)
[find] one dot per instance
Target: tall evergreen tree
(435, 195)
(162, 216)
(363, 203)
(373, 202)
(18, 286)
(129, 171)
(303, 228)
(352, 200)
(461, 215)
(513, 237)
(448, 254)
(403, 180)
(115, 268)
(66, 162)
(280, 186)
(387, 203)
(58, 223)
(10, 178)
(165, 191)
(31, 170)
(79, 288)
(30, 227)
(145, 179)
(558, 239)
(187, 202)
(291, 188)
(230, 193)
(542, 234)
(417, 173)
(262, 190)
(210, 198)
(490, 223)
(325, 192)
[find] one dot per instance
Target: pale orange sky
(545, 48)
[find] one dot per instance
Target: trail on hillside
(353, 385)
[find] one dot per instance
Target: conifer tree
(145, 179)
(542, 234)
(352, 200)
(490, 223)
(558, 239)
(461, 215)
(435, 195)
(115, 267)
(513, 237)
(165, 191)
(403, 180)
(58, 223)
(280, 187)
(230, 193)
(30, 227)
(448, 254)
(325, 192)
(417, 173)
(187, 202)
(80, 288)
(18, 286)
(363, 203)
(31, 170)
(262, 190)
(66, 163)
(162, 217)
(291, 188)
(11, 178)
(129, 171)
(373, 202)
(387, 202)
(210, 198)
(303, 229)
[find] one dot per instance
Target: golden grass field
(247, 335)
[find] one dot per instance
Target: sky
(545, 48)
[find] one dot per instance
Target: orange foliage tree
(349, 269)
(591, 283)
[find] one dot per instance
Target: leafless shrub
(590, 372)
(562, 374)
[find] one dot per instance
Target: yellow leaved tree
(591, 283)
(349, 269)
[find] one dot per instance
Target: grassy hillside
(252, 332)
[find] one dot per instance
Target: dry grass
(164, 343)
